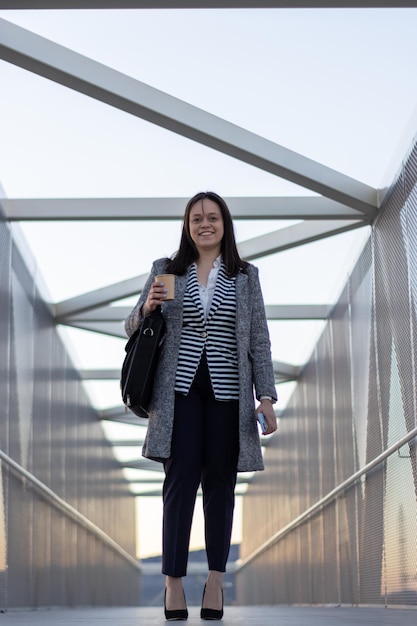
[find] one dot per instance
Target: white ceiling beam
(282, 371)
(201, 4)
(55, 62)
(110, 321)
(192, 568)
(132, 443)
(273, 312)
(153, 480)
(298, 311)
(100, 297)
(100, 374)
(196, 568)
(292, 236)
(111, 209)
(285, 372)
(144, 464)
(113, 329)
(116, 328)
(102, 314)
(123, 415)
(158, 478)
(153, 493)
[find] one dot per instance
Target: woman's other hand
(267, 409)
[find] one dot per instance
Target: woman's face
(206, 226)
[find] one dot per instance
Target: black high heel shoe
(212, 614)
(176, 615)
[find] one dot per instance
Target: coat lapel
(193, 290)
(223, 286)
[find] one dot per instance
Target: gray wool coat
(254, 361)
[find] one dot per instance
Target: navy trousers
(205, 447)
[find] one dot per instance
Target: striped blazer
(254, 362)
(216, 334)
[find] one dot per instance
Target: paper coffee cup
(169, 284)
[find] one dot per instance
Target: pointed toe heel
(175, 615)
(211, 614)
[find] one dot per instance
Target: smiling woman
(202, 425)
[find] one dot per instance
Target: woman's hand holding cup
(162, 290)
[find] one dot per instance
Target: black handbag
(139, 365)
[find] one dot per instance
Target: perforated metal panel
(48, 427)
(356, 398)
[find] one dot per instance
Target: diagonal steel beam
(46, 58)
(101, 314)
(112, 329)
(109, 209)
(100, 297)
(292, 236)
(257, 247)
(284, 372)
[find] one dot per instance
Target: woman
(202, 422)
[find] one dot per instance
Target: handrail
(241, 564)
(68, 509)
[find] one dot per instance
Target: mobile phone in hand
(262, 421)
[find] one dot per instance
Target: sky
(337, 86)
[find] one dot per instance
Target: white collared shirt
(207, 293)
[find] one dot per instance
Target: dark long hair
(188, 253)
